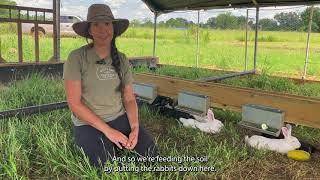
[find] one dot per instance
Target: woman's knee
(146, 145)
(95, 145)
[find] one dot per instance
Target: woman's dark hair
(115, 59)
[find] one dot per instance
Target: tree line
(4, 13)
(284, 21)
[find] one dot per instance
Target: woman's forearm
(86, 115)
(132, 113)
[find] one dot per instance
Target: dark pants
(98, 147)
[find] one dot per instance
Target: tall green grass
(37, 90)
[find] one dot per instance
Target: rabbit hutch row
(292, 108)
(297, 109)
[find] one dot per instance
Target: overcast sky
(136, 9)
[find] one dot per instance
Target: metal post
(256, 39)
(1, 59)
(308, 42)
(197, 56)
(155, 33)
(36, 41)
(20, 50)
(246, 46)
(56, 30)
(0, 50)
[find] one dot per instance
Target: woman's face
(102, 32)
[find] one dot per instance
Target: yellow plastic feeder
(299, 155)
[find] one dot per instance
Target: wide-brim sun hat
(100, 13)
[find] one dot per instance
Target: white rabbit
(279, 145)
(188, 122)
(210, 124)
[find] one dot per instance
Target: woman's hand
(116, 137)
(130, 104)
(133, 138)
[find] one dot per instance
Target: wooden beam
(25, 8)
(16, 64)
(25, 21)
(298, 109)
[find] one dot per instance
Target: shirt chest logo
(105, 73)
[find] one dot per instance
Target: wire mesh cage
(225, 39)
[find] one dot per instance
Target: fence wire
(282, 40)
(227, 40)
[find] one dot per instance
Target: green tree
(4, 12)
(251, 24)
(203, 25)
(178, 22)
(290, 21)
(241, 21)
(268, 24)
(147, 22)
(315, 19)
(8, 2)
(135, 23)
(211, 22)
(161, 24)
(226, 21)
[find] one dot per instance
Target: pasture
(280, 53)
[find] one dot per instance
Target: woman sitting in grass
(98, 85)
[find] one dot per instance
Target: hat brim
(119, 27)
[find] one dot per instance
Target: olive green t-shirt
(99, 82)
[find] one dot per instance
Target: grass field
(278, 52)
(41, 146)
